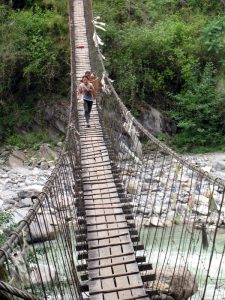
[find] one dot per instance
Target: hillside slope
(170, 54)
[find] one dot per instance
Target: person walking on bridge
(86, 90)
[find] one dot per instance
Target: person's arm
(90, 88)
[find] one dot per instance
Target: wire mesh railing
(178, 208)
(41, 257)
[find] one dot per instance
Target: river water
(182, 246)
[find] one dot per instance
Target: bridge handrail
(163, 146)
(71, 142)
(13, 240)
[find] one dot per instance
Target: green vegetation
(34, 59)
(170, 53)
(31, 140)
(5, 224)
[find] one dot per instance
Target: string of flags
(96, 38)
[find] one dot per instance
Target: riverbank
(23, 174)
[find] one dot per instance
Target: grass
(31, 140)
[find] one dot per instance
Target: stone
(16, 159)
(9, 201)
(157, 209)
(42, 273)
(143, 210)
(19, 215)
(156, 222)
(168, 223)
(202, 210)
(43, 228)
(207, 169)
(30, 191)
(26, 202)
(35, 171)
(201, 199)
(7, 206)
(4, 175)
(8, 195)
(21, 269)
(219, 165)
(176, 281)
(170, 215)
(144, 187)
(219, 174)
(4, 152)
(160, 209)
(44, 166)
(2, 161)
(186, 184)
(47, 153)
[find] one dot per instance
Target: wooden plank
(109, 285)
(108, 263)
(108, 236)
(104, 212)
(103, 227)
(121, 255)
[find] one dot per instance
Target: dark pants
(87, 109)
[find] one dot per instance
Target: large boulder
(156, 221)
(46, 153)
(17, 159)
(43, 228)
(179, 283)
(155, 120)
(219, 165)
(42, 273)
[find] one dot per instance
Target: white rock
(156, 221)
(202, 210)
(1, 203)
(16, 159)
(219, 165)
(201, 199)
(42, 273)
(19, 215)
(207, 169)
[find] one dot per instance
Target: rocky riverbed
(24, 173)
(178, 194)
(22, 176)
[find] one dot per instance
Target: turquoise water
(182, 246)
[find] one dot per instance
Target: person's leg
(86, 111)
(90, 103)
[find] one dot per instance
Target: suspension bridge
(119, 212)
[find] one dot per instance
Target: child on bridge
(86, 90)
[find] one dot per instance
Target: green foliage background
(170, 53)
(34, 59)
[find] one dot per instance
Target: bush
(198, 113)
(5, 223)
(31, 140)
(34, 55)
(174, 60)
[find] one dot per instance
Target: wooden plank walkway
(112, 268)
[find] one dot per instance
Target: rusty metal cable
(16, 292)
